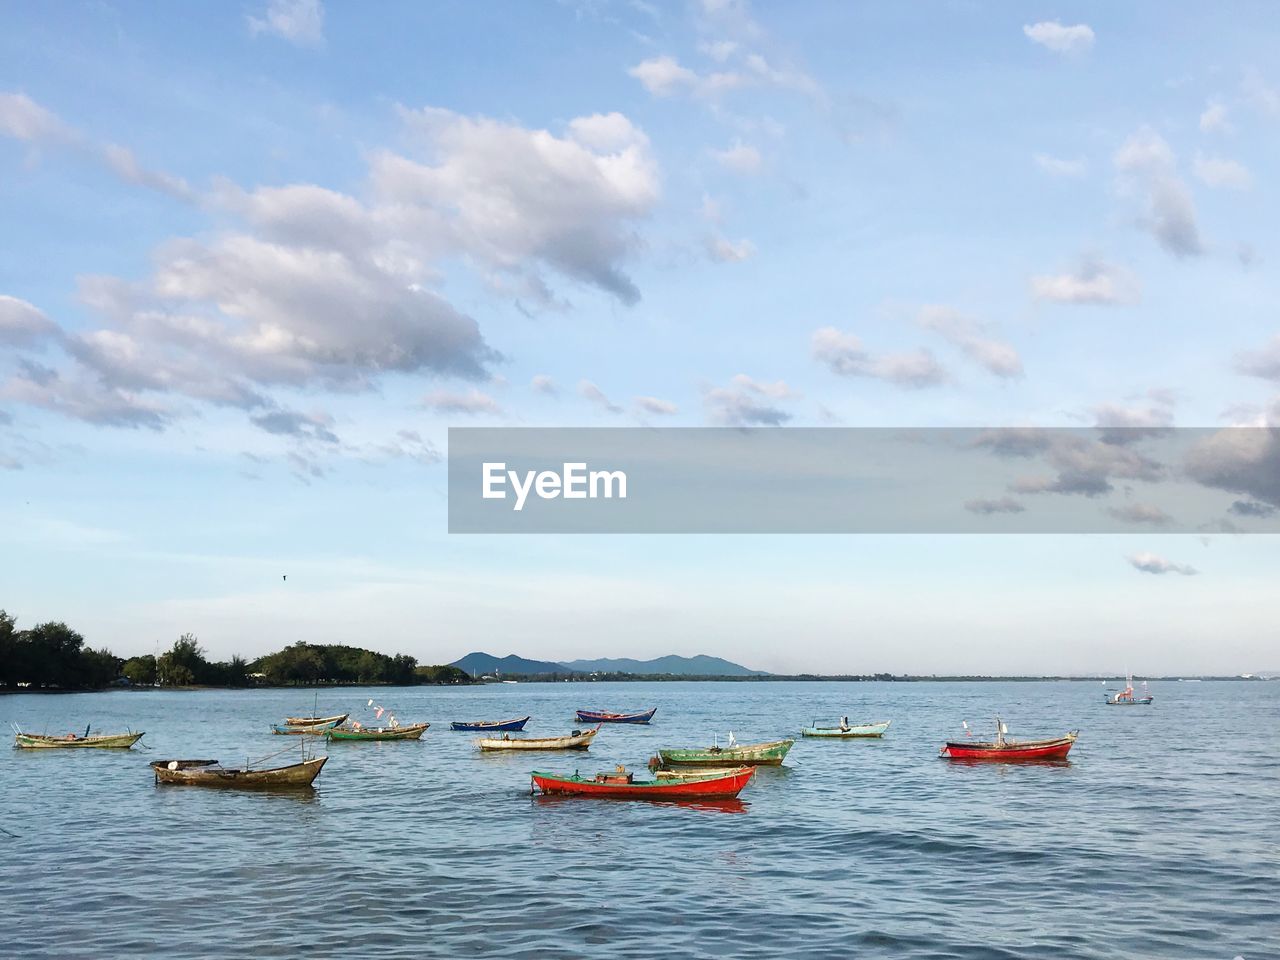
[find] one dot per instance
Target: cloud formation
(1220, 172)
(995, 356)
(844, 354)
(1093, 281)
(597, 397)
(1052, 35)
(748, 402)
(470, 403)
(301, 22)
(1149, 162)
(1146, 562)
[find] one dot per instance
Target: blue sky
(258, 258)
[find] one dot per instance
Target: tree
(140, 670)
(184, 664)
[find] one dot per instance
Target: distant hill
(699, 666)
(482, 664)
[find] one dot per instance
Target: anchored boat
(307, 729)
(494, 725)
(313, 721)
(578, 740)
(210, 773)
(622, 786)
(844, 729)
(1003, 750)
(412, 731)
(601, 716)
(101, 741)
(736, 754)
(1127, 697)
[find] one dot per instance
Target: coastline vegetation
(52, 656)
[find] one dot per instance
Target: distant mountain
(486, 664)
(699, 666)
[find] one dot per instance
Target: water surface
(1158, 840)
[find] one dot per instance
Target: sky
(259, 257)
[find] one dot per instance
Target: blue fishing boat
(600, 716)
(490, 724)
(306, 729)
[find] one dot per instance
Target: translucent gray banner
(864, 480)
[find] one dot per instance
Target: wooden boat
(1002, 750)
(696, 773)
(209, 773)
(411, 731)
(497, 725)
(101, 741)
(844, 729)
(313, 729)
(600, 716)
(739, 754)
(313, 721)
(622, 786)
(578, 740)
(1127, 697)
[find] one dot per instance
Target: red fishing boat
(621, 785)
(1002, 750)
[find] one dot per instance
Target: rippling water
(1160, 839)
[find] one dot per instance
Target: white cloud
(1092, 282)
(664, 77)
(596, 396)
(739, 158)
(1057, 167)
(23, 119)
(24, 325)
(844, 354)
(1060, 39)
(1261, 94)
(1220, 172)
(1263, 362)
(748, 402)
(1171, 213)
(1147, 562)
(723, 250)
(471, 403)
(1213, 119)
(300, 22)
(996, 356)
(655, 406)
(541, 383)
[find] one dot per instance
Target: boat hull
(600, 716)
(411, 732)
(1011, 751)
(313, 721)
(298, 730)
(579, 742)
(484, 726)
(851, 733)
(705, 788)
(113, 741)
(206, 773)
(1135, 702)
(756, 755)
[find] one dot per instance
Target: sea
(1159, 839)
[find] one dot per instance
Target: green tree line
(53, 656)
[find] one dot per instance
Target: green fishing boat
(410, 732)
(736, 754)
(105, 741)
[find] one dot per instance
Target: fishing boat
(310, 729)
(695, 773)
(842, 728)
(621, 785)
(735, 754)
(578, 740)
(100, 741)
(1002, 750)
(495, 725)
(314, 721)
(411, 731)
(1127, 697)
(210, 773)
(601, 716)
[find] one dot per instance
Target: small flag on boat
(371, 703)
(379, 712)
(967, 731)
